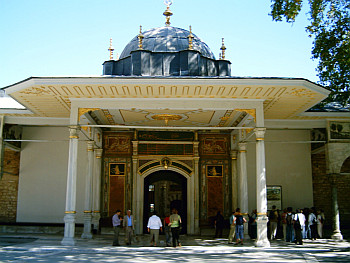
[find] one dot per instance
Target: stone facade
(323, 192)
(9, 186)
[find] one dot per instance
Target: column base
(86, 235)
(87, 226)
(69, 230)
(96, 222)
(337, 236)
(68, 241)
(262, 240)
(262, 243)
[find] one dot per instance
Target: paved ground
(47, 248)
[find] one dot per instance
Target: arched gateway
(164, 190)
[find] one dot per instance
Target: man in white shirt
(153, 227)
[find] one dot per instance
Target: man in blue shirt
(128, 226)
(116, 221)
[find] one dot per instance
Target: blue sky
(71, 37)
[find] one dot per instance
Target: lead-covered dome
(167, 39)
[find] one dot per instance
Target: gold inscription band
(261, 214)
(259, 139)
(70, 212)
(242, 151)
(73, 137)
(86, 211)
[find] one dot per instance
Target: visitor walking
(153, 227)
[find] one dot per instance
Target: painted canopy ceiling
(52, 97)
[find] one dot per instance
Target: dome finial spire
(167, 13)
(223, 48)
(190, 39)
(110, 49)
(140, 37)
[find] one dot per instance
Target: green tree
(330, 28)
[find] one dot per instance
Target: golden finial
(190, 39)
(167, 12)
(220, 56)
(110, 49)
(140, 37)
(223, 48)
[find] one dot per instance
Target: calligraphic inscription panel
(214, 145)
(117, 144)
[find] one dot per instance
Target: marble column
(96, 191)
(88, 191)
(234, 202)
(137, 191)
(243, 182)
(70, 213)
(336, 219)
(196, 185)
(261, 195)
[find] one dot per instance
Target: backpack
(239, 220)
(272, 215)
(289, 219)
(297, 225)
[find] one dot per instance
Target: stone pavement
(47, 248)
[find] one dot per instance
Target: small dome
(167, 39)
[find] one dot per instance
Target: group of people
(236, 226)
(172, 228)
(288, 225)
(296, 226)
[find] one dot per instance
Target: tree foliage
(330, 28)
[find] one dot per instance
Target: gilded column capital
(135, 146)
(90, 146)
(242, 147)
(260, 133)
(74, 132)
(98, 152)
(233, 155)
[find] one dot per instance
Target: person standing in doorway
(129, 225)
(153, 227)
(219, 224)
(117, 225)
(231, 235)
(175, 221)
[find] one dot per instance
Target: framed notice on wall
(274, 196)
(116, 169)
(214, 170)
